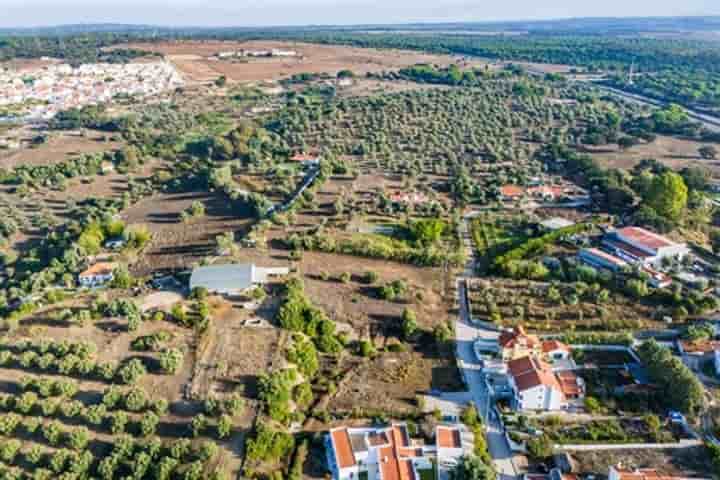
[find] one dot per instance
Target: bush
(170, 360)
(540, 447)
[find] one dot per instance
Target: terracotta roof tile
(343, 451)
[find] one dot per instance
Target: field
(676, 153)
(176, 245)
(58, 148)
(684, 461)
(192, 59)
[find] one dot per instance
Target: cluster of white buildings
(40, 94)
(388, 453)
(275, 52)
(539, 373)
(635, 247)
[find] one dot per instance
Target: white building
(233, 279)
(535, 386)
(639, 246)
(387, 453)
(620, 473)
(98, 274)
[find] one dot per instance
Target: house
(516, 343)
(620, 473)
(408, 198)
(511, 192)
(599, 259)
(387, 453)
(536, 387)
(657, 279)
(639, 246)
(556, 350)
(306, 159)
(695, 353)
(233, 279)
(97, 274)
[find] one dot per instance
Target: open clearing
(676, 153)
(58, 148)
(192, 59)
(682, 462)
(177, 245)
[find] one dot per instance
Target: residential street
(465, 335)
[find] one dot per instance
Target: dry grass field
(58, 148)
(177, 245)
(676, 153)
(192, 59)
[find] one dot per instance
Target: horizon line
(358, 25)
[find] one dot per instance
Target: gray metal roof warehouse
(232, 278)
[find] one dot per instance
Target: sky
(19, 13)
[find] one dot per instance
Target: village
(39, 94)
(358, 275)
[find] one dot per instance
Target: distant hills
(611, 26)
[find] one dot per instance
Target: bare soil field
(192, 59)
(177, 245)
(58, 148)
(676, 153)
(686, 462)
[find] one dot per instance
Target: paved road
(465, 335)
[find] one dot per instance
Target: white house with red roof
(639, 246)
(387, 453)
(536, 386)
(517, 343)
(620, 473)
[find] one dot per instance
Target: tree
(171, 359)
(540, 447)
(668, 196)
(409, 323)
(708, 152)
(470, 467)
(221, 81)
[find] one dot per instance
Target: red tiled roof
(303, 157)
(508, 339)
(531, 372)
(700, 346)
(644, 474)
(619, 244)
(343, 450)
(569, 383)
(100, 268)
(448, 438)
(645, 238)
(511, 191)
(552, 345)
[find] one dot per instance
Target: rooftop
(508, 339)
(100, 268)
(530, 372)
(699, 346)
(596, 252)
(645, 238)
(448, 437)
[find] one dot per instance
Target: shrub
(170, 360)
